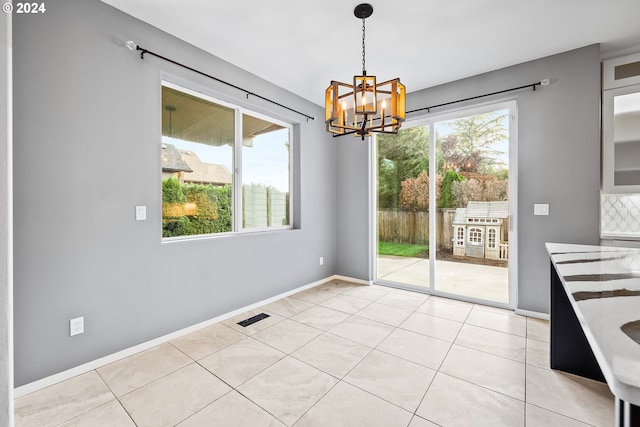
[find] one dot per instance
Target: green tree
(447, 198)
(400, 156)
(470, 145)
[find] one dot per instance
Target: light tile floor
(337, 355)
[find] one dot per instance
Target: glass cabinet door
(621, 140)
(621, 125)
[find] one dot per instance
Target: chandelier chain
(364, 68)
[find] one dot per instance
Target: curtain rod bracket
(142, 51)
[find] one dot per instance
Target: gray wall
(6, 315)
(352, 200)
(558, 163)
(87, 151)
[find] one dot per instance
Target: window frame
(475, 233)
(236, 172)
(492, 241)
(460, 235)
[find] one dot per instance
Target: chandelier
(365, 106)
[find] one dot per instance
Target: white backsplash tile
(620, 215)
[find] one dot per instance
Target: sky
(267, 162)
(443, 128)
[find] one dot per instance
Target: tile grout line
(290, 354)
(531, 364)
(564, 416)
(259, 406)
(116, 398)
(315, 403)
(204, 407)
(469, 382)
(295, 358)
(371, 349)
(415, 412)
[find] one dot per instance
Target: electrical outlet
(321, 260)
(76, 326)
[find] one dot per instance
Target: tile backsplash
(620, 216)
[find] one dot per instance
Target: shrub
(479, 190)
(192, 209)
(415, 192)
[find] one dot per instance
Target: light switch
(141, 213)
(541, 209)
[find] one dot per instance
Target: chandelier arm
(363, 130)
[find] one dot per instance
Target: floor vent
(252, 320)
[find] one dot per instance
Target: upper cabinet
(621, 125)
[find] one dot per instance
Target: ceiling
(302, 45)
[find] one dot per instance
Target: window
(265, 177)
(491, 238)
(459, 236)
(475, 236)
(224, 169)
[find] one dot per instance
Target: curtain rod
(134, 46)
(544, 82)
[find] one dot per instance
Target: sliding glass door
(444, 205)
(403, 197)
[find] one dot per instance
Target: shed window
(459, 236)
(475, 236)
(491, 238)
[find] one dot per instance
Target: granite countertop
(603, 285)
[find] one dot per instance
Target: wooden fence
(404, 226)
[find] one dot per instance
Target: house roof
(481, 210)
(206, 173)
(488, 209)
(172, 160)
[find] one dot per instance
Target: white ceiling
(303, 45)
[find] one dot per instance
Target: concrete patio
(471, 280)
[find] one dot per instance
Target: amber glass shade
(398, 109)
(364, 94)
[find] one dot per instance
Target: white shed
(480, 230)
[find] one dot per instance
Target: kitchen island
(595, 319)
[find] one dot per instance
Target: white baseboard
(536, 314)
(351, 279)
(95, 364)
